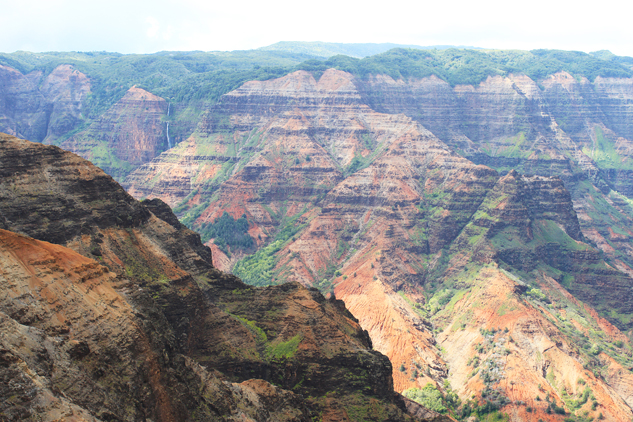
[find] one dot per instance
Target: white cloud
(154, 26)
(143, 26)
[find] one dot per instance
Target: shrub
(228, 231)
(429, 397)
(595, 350)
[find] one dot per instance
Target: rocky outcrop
(23, 109)
(67, 89)
(561, 126)
(512, 121)
(242, 135)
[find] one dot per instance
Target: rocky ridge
(561, 126)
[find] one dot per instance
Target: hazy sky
(130, 26)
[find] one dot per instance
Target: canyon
(377, 210)
(478, 233)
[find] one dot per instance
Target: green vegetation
(227, 231)
(544, 232)
(576, 403)
(538, 295)
(429, 397)
(176, 76)
(449, 403)
(462, 66)
(513, 147)
(276, 349)
(258, 269)
(260, 335)
(105, 158)
(605, 154)
(284, 349)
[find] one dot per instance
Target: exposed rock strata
(126, 319)
(129, 134)
(561, 126)
(412, 227)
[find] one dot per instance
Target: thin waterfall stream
(167, 130)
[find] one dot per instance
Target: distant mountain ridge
(357, 50)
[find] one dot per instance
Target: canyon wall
(441, 259)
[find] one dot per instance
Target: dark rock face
(128, 320)
(23, 109)
(66, 89)
(41, 109)
(499, 107)
(44, 187)
(474, 119)
(530, 221)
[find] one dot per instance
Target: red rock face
(429, 250)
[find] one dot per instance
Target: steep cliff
(130, 133)
(122, 316)
(383, 190)
(42, 108)
(23, 109)
(67, 89)
(562, 126)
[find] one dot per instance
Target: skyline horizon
(144, 27)
(396, 45)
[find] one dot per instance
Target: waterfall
(168, 140)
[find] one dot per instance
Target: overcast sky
(129, 26)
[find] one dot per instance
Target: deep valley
(449, 225)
